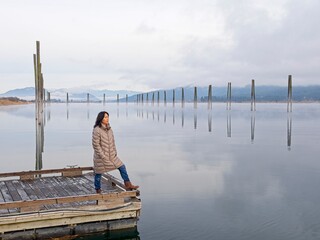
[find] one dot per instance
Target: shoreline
(12, 101)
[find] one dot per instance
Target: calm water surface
(203, 174)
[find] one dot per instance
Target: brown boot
(130, 186)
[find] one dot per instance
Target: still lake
(203, 174)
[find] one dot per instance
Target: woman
(105, 156)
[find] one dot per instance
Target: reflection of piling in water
(165, 116)
(182, 118)
(229, 96)
(289, 130)
(253, 124)
(253, 96)
(209, 121)
(195, 98)
(289, 104)
(210, 97)
(229, 125)
(173, 117)
(67, 112)
(182, 97)
(195, 120)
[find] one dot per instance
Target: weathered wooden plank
(3, 211)
(48, 191)
(6, 196)
(48, 171)
(12, 191)
(20, 190)
(40, 195)
(54, 192)
(63, 192)
(60, 200)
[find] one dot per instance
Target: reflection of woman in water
(105, 156)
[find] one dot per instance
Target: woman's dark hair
(99, 118)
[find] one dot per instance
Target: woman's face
(105, 119)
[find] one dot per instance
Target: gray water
(203, 174)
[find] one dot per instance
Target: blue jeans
(123, 173)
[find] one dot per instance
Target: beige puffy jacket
(105, 153)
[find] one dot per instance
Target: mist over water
(205, 174)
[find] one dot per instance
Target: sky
(144, 45)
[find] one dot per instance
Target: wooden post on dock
(195, 99)
(253, 96)
(229, 96)
(182, 98)
(210, 97)
(289, 104)
(165, 98)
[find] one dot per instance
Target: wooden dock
(60, 202)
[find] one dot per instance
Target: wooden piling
(289, 104)
(229, 96)
(182, 98)
(104, 98)
(88, 98)
(67, 97)
(126, 98)
(173, 97)
(147, 100)
(210, 97)
(165, 98)
(195, 98)
(158, 100)
(253, 96)
(153, 99)
(118, 99)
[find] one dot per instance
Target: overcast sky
(156, 44)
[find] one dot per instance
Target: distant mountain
(75, 94)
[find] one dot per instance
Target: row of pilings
(140, 97)
(154, 97)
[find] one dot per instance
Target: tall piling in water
(158, 99)
(118, 99)
(39, 105)
(195, 98)
(104, 98)
(153, 99)
(88, 98)
(165, 98)
(173, 97)
(126, 99)
(289, 104)
(182, 98)
(253, 96)
(147, 100)
(210, 97)
(67, 98)
(229, 96)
